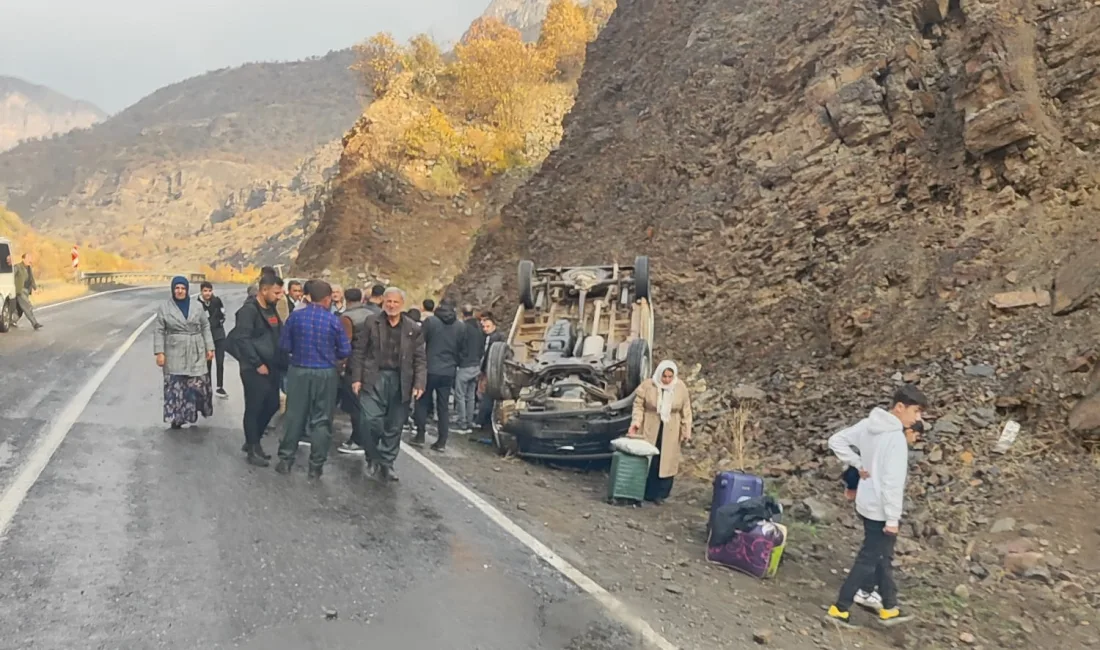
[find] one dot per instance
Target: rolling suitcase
(756, 552)
(733, 487)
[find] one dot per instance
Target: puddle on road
(480, 609)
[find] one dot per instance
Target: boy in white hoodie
(877, 447)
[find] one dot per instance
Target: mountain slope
(29, 111)
(52, 255)
(198, 156)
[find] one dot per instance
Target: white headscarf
(664, 391)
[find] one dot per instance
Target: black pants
(437, 392)
(384, 411)
(261, 403)
(219, 356)
(657, 488)
(872, 566)
(485, 413)
(349, 403)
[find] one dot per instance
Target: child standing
(878, 449)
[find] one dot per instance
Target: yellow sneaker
(839, 617)
(893, 616)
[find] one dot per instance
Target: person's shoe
(37, 326)
(870, 601)
(438, 447)
(839, 617)
(370, 468)
(177, 425)
(244, 447)
(350, 447)
(260, 452)
(891, 617)
(304, 443)
(389, 474)
(222, 394)
(283, 467)
(256, 460)
(417, 440)
(463, 431)
(315, 471)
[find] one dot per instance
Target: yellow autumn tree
(425, 60)
(378, 62)
(565, 35)
(493, 67)
(432, 136)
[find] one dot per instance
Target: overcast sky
(114, 52)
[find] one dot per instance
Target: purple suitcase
(732, 487)
(752, 552)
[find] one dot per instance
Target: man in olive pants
(317, 344)
(388, 370)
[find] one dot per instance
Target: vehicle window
(5, 251)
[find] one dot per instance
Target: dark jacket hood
(446, 314)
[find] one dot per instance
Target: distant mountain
(205, 170)
(524, 15)
(31, 111)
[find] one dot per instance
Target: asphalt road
(135, 536)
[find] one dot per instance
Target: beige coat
(648, 421)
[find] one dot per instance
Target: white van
(7, 285)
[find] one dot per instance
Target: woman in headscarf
(182, 343)
(662, 415)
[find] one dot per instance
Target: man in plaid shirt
(318, 346)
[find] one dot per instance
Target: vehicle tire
(495, 380)
(7, 315)
(641, 277)
(639, 364)
(527, 284)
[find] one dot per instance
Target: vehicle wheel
(495, 380)
(641, 277)
(504, 442)
(7, 316)
(527, 284)
(639, 364)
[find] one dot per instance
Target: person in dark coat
(215, 312)
(469, 369)
(389, 370)
(492, 335)
(255, 344)
(354, 319)
(445, 341)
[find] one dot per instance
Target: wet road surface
(135, 536)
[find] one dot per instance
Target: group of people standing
(324, 347)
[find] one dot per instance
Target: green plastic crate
(628, 477)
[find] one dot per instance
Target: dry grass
(58, 292)
(732, 445)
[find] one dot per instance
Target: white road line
(89, 297)
(59, 428)
(615, 606)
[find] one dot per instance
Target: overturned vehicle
(579, 346)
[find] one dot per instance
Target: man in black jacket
(469, 368)
(255, 343)
(215, 312)
(492, 335)
(444, 341)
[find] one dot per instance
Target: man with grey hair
(388, 371)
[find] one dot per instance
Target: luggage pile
(745, 532)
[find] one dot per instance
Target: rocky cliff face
(211, 169)
(854, 189)
(524, 15)
(838, 197)
(29, 111)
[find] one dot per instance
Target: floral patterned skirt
(185, 398)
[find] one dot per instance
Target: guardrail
(136, 277)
